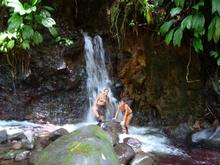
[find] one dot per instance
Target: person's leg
(127, 122)
(102, 118)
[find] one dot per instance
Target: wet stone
(17, 136)
(57, 133)
(3, 136)
(134, 143)
(22, 156)
(124, 152)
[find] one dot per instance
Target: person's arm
(94, 108)
(116, 114)
(126, 113)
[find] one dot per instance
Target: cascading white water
(98, 78)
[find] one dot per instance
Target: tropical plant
(126, 13)
(194, 17)
(26, 20)
(25, 23)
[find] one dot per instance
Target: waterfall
(98, 78)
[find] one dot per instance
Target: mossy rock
(88, 145)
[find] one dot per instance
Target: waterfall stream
(153, 140)
(98, 78)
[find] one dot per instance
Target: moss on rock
(88, 145)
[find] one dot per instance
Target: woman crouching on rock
(127, 115)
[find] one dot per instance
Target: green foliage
(177, 37)
(25, 23)
(147, 9)
(166, 26)
(130, 14)
(190, 17)
(175, 11)
(216, 6)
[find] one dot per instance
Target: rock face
(154, 76)
(207, 138)
(88, 146)
(54, 87)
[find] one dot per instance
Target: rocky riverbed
(20, 141)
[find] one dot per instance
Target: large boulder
(88, 145)
(113, 128)
(207, 138)
(125, 153)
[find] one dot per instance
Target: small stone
(17, 146)
(57, 133)
(22, 156)
(3, 136)
(27, 145)
(17, 136)
(10, 155)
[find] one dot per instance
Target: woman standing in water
(127, 115)
(100, 105)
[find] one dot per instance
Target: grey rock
(125, 153)
(3, 136)
(88, 145)
(57, 133)
(17, 136)
(206, 138)
(134, 143)
(23, 155)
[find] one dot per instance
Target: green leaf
(178, 35)
(218, 61)
(148, 15)
(3, 36)
(48, 22)
(25, 44)
(211, 28)
(48, 8)
(179, 3)
(216, 6)
(27, 32)
(45, 14)
(34, 2)
(217, 30)
(187, 22)
(198, 21)
(169, 37)
(53, 31)
(38, 18)
(14, 22)
(214, 54)
(175, 11)
(28, 17)
(37, 38)
(16, 5)
(166, 26)
(198, 5)
(11, 44)
(197, 44)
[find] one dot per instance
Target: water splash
(153, 141)
(98, 78)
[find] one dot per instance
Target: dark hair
(124, 100)
(106, 89)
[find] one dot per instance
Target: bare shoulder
(128, 108)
